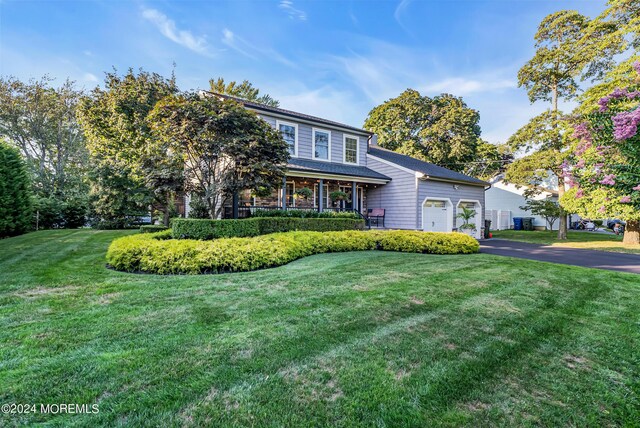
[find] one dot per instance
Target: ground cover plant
(575, 239)
(153, 253)
(345, 339)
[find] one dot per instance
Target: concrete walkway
(621, 262)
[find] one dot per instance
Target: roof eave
(479, 183)
(299, 172)
(290, 114)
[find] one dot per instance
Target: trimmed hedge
(304, 214)
(153, 253)
(152, 228)
(187, 228)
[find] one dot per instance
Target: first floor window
(350, 150)
(321, 144)
(291, 202)
(325, 197)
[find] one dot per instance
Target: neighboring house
(503, 202)
(328, 156)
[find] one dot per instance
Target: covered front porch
(314, 185)
(307, 193)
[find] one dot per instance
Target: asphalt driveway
(621, 262)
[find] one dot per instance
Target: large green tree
(569, 48)
(244, 90)
(442, 129)
(624, 15)
(225, 147)
(39, 119)
(131, 167)
(605, 167)
(491, 161)
(15, 192)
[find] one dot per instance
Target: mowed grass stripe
(347, 339)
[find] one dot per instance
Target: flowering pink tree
(604, 174)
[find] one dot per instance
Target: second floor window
(289, 134)
(321, 144)
(350, 149)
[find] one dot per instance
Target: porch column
(321, 195)
(235, 204)
(284, 192)
(354, 196)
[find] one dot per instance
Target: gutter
(426, 177)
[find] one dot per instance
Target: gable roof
(290, 113)
(429, 169)
(308, 165)
(499, 181)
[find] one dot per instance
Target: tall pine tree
(15, 192)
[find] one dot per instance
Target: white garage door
(435, 216)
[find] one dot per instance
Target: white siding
(508, 198)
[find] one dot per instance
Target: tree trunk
(562, 225)
(165, 216)
(632, 233)
(166, 213)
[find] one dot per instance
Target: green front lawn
(342, 339)
(575, 239)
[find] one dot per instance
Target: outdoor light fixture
(455, 186)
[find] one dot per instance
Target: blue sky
(334, 59)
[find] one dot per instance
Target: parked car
(612, 223)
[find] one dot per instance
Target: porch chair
(375, 214)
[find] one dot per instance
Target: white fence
(500, 219)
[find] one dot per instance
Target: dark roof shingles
(334, 168)
(291, 113)
(427, 168)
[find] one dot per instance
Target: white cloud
(249, 50)
(236, 43)
(402, 6)
(168, 29)
(287, 6)
(465, 86)
(374, 71)
(399, 12)
(326, 101)
(90, 77)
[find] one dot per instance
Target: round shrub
(156, 253)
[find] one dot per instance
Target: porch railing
(246, 211)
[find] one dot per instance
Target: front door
(358, 201)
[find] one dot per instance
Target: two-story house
(328, 156)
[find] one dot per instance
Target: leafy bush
(214, 229)
(133, 221)
(304, 214)
(47, 213)
(152, 228)
(15, 194)
(74, 212)
(155, 253)
(54, 213)
(198, 208)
